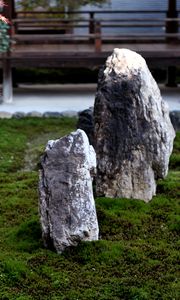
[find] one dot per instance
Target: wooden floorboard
(84, 55)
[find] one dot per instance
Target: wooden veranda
(61, 39)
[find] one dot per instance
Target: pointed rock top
(123, 61)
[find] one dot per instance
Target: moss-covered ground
(136, 257)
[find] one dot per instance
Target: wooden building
(55, 39)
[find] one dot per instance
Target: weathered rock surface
(66, 204)
(133, 132)
(86, 123)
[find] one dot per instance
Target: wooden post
(91, 26)
(9, 9)
(171, 76)
(98, 41)
(172, 26)
(91, 22)
(7, 91)
(7, 81)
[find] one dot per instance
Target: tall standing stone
(133, 132)
(67, 208)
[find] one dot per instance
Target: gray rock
(18, 115)
(175, 119)
(67, 208)
(34, 114)
(5, 115)
(133, 132)
(51, 114)
(69, 113)
(86, 123)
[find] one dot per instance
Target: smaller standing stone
(67, 208)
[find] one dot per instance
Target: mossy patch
(18, 135)
(138, 253)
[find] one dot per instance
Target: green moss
(138, 253)
(17, 136)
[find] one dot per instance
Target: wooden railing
(88, 26)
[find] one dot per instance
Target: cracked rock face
(133, 132)
(66, 205)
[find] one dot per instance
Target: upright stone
(133, 132)
(67, 208)
(86, 123)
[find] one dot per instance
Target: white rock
(67, 207)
